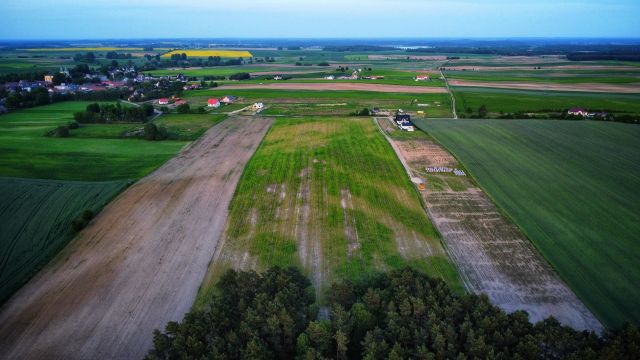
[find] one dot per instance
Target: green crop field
(26, 151)
(552, 77)
(188, 126)
(497, 100)
(572, 187)
(309, 102)
(35, 218)
(330, 195)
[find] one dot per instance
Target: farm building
(163, 101)
(228, 99)
(277, 77)
(257, 106)
(422, 78)
(48, 78)
(330, 77)
(578, 111)
(214, 103)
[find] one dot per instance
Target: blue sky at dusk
(89, 19)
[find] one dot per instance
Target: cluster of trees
(400, 315)
(24, 99)
(116, 55)
(480, 114)
(240, 76)
(154, 132)
(88, 57)
(363, 112)
(343, 48)
(108, 113)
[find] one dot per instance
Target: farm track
(491, 253)
(336, 86)
(139, 264)
(606, 88)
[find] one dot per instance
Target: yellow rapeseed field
(212, 52)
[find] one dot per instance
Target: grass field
(188, 126)
(85, 49)
(572, 187)
(35, 218)
(497, 100)
(306, 102)
(26, 151)
(331, 196)
(554, 77)
(207, 53)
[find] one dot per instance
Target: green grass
(572, 187)
(90, 154)
(35, 218)
(306, 102)
(188, 126)
(321, 159)
(552, 77)
(497, 100)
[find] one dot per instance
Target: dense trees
(107, 113)
(399, 315)
(250, 316)
(240, 76)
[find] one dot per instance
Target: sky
(123, 19)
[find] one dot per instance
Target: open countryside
(263, 182)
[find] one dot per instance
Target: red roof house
(214, 103)
(163, 101)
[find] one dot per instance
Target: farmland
(309, 102)
(26, 152)
(329, 195)
(207, 53)
(575, 197)
(36, 216)
(503, 100)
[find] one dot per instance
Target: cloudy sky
(94, 19)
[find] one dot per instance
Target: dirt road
(340, 86)
(492, 255)
(139, 263)
(607, 88)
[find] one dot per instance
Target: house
(228, 99)
(179, 102)
(163, 101)
(330, 77)
(374, 77)
(277, 77)
(214, 103)
(422, 78)
(258, 106)
(48, 78)
(578, 111)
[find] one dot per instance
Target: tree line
(399, 315)
(107, 113)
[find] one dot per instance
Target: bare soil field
(608, 88)
(340, 86)
(139, 263)
(492, 255)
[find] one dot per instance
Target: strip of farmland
(605, 88)
(340, 86)
(138, 265)
(492, 255)
(330, 196)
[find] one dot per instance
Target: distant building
(422, 78)
(228, 99)
(163, 101)
(578, 111)
(214, 103)
(48, 78)
(330, 77)
(277, 77)
(258, 106)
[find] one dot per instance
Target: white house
(578, 111)
(422, 78)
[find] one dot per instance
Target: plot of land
(328, 195)
(139, 263)
(35, 218)
(493, 257)
(211, 52)
(361, 86)
(572, 187)
(606, 88)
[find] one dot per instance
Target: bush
(73, 125)
(183, 108)
(153, 132)
(60, 132)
